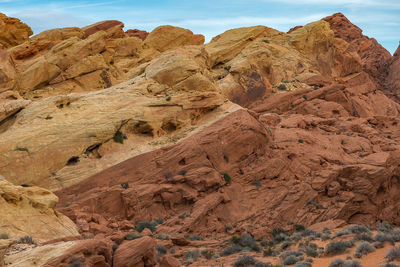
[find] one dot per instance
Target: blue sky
(378, 18)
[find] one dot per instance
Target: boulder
(29, 211)
(12, 31)
(138, 252)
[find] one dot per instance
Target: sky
(379, 19)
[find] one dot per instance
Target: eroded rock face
(151, 131)
(170, 93)
(12, 31)
(29, 211)
(374, 57)
(393, 79)
(252, 63)
(139, 252)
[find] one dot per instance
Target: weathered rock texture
(12, 31)
(29, 211)
(256, 130)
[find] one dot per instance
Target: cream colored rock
(59, 34)
(166, 37)
(71, 129)
(30, 211)
(10, 103)
(12, 31)
(7, 71)
(224, 47)
(36, 255)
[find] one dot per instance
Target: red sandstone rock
(169, 261)
(374, 57)
(137, 33)
(138, 252)
(90, 252)
(393, 79)
(112, 27)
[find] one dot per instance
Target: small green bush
(132, 236)
(27, 240)
(338, 247)
(145, 224)
(4, 236)
(125, 185)
(389, 264)
(345, 263)
(299, 227)
(227, 178)
(363, 248)
(194, 238)
(207, 253)
(162, 237)
(118, 137)
(231, 250)
(290, 260)
(384, 227)
(159, 220)
(393, 254)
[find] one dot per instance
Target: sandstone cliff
(250, 135)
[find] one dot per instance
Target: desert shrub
(125, 185)
(4, 236)
(145, 224)
(280, 238)
(270, 252)
(345, 263)
(299, 227)
(303, 264)
(162, 237)
(27, 240)
(231, 250)
(377, 244)
(132, 236)
(384, 227)
(119, 137)
(297, 253)
(228, 227)
(194, 238)
(278, 231)
(364, 237)
(395, 234)
(159, 220)
(363, 248)
(114, 247)
(161, 250)
(76, 262)
(311, 252)
(192, 255)
(389, 264)
(338, 247)
(290, 260)
(256, 182)
(382, 237)
(183, 216)
(227, 178)
(285, 245)
(326, 230)
(244, 260)
(358, 228)
(309, 260)
(207, 253)
(325, 237)
(246, 241)
(393, 254)
(262, 264)
(182, 172)
(282, 87)
(172, 250)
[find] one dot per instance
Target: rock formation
(160, 150)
